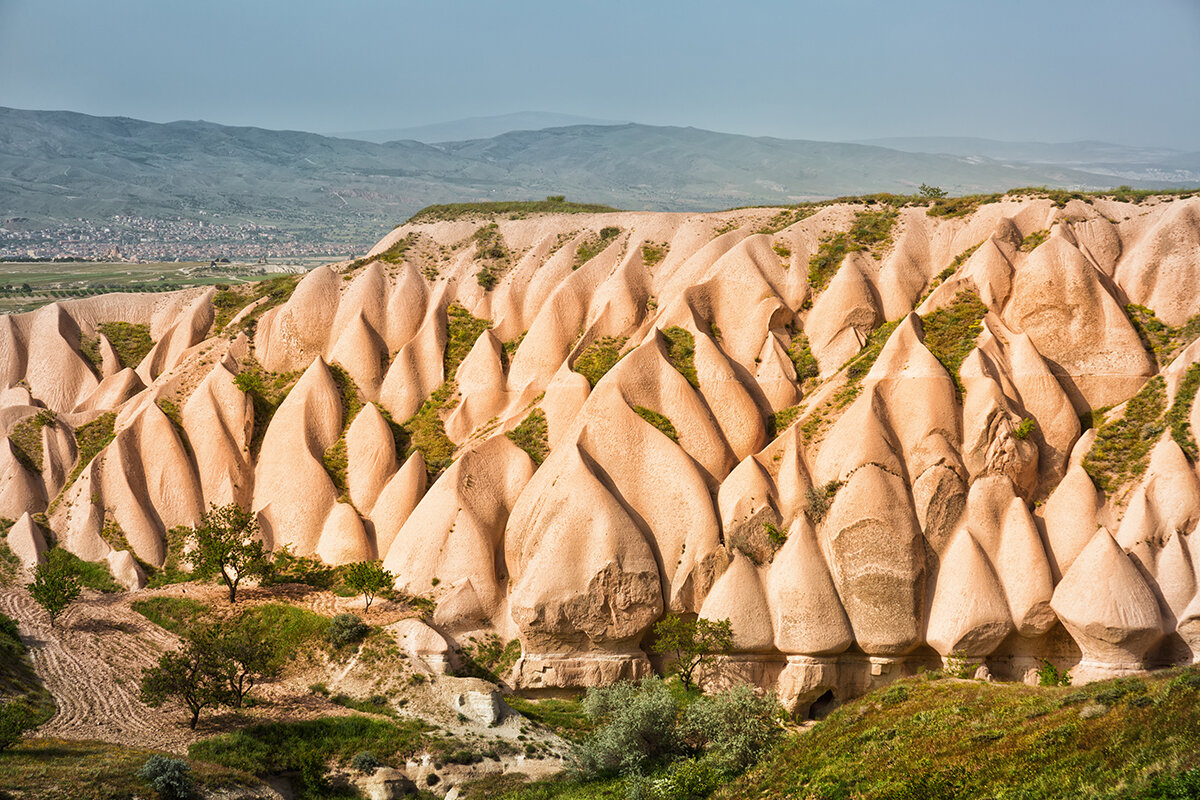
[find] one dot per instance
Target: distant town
(141, 239)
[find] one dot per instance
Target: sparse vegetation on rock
(598, 358)
(532, 436)
(870, 231)
(1123, 444)
(951, 331)
(658, 421)
(594, 245)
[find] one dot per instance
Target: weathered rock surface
(936, 496)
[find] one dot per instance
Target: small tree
(931, 192)
(55, 585)
(252, 655)
(692, 642)
(198, 675)
(368, 578)
(227, 543)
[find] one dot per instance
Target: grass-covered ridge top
(962, 205)
(554, 204)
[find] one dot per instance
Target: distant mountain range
(57, 166)
(475, 127)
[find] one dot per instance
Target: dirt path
(92, 661)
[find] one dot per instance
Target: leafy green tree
(228, 543)
(252, 655)
(368, 578)
(692, 642)
(198, 675)
(932, 192)
(55, 585)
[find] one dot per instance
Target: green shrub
(532, 436)
(598, 358)
(686, 779)
(492, 254)
(1024, 428)
(267, 391)
(658, 421)
(960, 206)
(858, 367)
(89, 348)
(288, 568)
(395, 253)
(427, 432)
(170, 777)
(346, 629)
(1119, 689)
(1050, 675)
(681, 353)
(365, 762)
(1181, 786)
(131, 342)
(10, 565)
(637, 729)
(1123, 445)
(789, 216)
(734, 727)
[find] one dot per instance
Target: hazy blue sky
(1050, 70)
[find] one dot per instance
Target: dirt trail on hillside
(92, 661)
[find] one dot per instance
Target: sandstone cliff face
(866, 469)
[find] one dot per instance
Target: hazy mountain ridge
(63, 165)
(475, 127)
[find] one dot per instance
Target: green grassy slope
(1129, 738)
